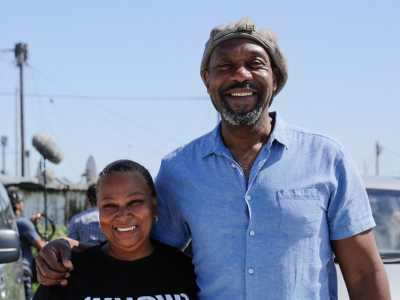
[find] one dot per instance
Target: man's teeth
(241, 94)
(123, 229)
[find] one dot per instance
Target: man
(266, 205)
(28, 238)
(85, 226)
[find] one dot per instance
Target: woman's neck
(128, 254)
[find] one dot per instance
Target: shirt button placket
(250, 251)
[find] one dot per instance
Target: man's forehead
(246, 46)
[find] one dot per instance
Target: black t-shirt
(164, 275)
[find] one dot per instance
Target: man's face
(240, 81)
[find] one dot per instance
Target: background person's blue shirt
(268, 237)
(28, 237)
(85, 227)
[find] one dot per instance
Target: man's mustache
(240, 85)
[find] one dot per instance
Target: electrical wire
(46, 97)
(397, 155)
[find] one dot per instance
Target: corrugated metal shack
(64, 199)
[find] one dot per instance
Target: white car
(384, 196)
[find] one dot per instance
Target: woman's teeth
(123, 229)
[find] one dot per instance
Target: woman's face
(127, 210)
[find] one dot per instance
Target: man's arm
(28, 231)
(362, 267)
(39, 244)
(171, 227)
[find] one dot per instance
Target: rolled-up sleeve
(349, 211)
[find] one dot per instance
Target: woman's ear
(154, 205)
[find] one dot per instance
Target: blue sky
(139, 63)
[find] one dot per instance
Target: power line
(397, 155)
(41, 96)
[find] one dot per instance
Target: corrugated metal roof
(34, 183)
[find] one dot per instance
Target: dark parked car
(11, 284)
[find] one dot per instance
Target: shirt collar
(214, 144)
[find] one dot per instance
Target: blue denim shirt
(85, 227)
(267, 237)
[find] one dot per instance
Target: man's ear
(275, 78)
(204, 77)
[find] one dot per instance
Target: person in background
(28, 237)
(85, 227)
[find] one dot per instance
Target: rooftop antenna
(91, 170)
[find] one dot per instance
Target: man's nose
(241, 74)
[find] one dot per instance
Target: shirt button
(252, 233)
(233, 165)
(247, 197)
(251, 271)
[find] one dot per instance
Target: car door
(11, 284)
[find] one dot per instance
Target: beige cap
(246, 29)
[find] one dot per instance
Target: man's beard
(240, 118)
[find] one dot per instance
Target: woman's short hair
(126, 165)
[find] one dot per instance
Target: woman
(128, 266)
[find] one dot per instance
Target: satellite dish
(91, 170)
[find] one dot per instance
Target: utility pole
(21, 56)
(3, 141)
(28, 163)
(378, 152)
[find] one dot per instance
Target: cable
(397, 155)
(110, 98)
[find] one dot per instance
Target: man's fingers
(68, 264)
(50, 259)
(50, 282)
(46, 276)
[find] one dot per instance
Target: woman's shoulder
(167, 250)
(172, 256)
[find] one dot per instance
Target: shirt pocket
(302, 210)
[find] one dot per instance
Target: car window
(6, 214)
(386, 209)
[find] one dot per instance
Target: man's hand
(53, 262)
